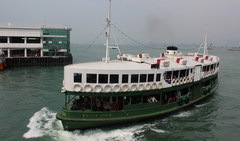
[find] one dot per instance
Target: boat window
(170, 97)
(191, 70)
(151, 98)
(81, 103)
(128, 100)
(184, 91)
(125, 78)
(150, 77)
(208, 68)
(175, 74)
(114, 78)
(91, 78)
(211, 67)
(78, 77)
(107, 103)
(182, 73)
(167, 76)
(204, 68)
(187, 73)
(143, 77)
(158, 78)
(134, 78)
(103, 78)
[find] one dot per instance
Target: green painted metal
(72, 120)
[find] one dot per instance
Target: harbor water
(30, 98)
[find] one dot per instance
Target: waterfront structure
(135, 87)
(21, 41)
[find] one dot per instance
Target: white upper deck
(144, 63)
(139, 72)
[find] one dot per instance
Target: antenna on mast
(107, 58)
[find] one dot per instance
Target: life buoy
(107, 88)
(116, 88)
(147, 86)
(124, 88)
(140, 87)
(177, 82)
(98, 88)
(160, 85)
(77, 88)
(88, 88)
(115, 106)
(154, 85)
(133, 87)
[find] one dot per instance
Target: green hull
(72, 120)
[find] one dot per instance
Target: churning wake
(44, 123)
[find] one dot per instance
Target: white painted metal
(21, 46)
(108, 36)
(197, 74)
(107, 58)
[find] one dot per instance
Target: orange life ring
(115, 106)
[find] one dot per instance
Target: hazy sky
(148, 21)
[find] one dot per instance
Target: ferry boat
(2, 60)
(135, 87)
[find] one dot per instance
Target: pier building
(39, 43)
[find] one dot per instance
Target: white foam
(183, 114)
(40, 124)
(44, 123)
(201, 105)
(158, 130)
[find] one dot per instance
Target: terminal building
(40, 42)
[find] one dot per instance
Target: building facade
(38, 41)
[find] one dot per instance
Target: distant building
(35, 45)
(41, 41)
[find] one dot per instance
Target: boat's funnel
(172, 50)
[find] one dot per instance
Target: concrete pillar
(41, 52)
(25, 52)
(25, 40)
(8, 52)
(41, 40)
(8, 40)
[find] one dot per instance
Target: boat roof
(132, 65)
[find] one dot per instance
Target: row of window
(55, 32)
(114, 78)
(20, 40)
(116, 103)
(210, 67)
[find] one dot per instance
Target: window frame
(113, 82)
(87, 79)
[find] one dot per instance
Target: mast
(107, 58)
(204, 45)
(205, 50)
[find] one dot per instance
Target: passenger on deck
(152, 99)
